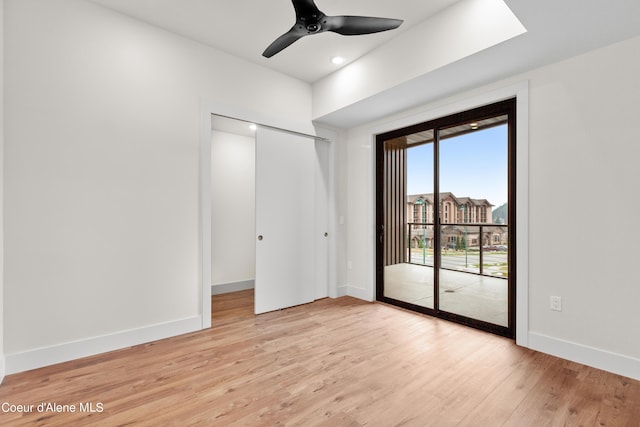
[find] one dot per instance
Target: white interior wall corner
(112, 170)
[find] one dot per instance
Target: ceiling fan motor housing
(313, 24)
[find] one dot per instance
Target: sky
(472, 165)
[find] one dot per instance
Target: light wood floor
(332, 363)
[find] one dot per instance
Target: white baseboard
(360, 293)
(225, 288)
(342, 291)
(590, 356)
(32, 359)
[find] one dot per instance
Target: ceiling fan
(310, 20)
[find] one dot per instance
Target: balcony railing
(472, 248)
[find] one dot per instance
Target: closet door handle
(260, 237)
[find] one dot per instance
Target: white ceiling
(245, 28)
(556, 30)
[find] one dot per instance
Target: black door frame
(507, 107)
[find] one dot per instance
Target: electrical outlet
(556, 303)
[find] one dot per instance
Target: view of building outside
(458, 212)
(473, 195)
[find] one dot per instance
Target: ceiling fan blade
(283, 41)
(354, 25)
(305, 8)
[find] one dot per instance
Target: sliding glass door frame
(506, 107)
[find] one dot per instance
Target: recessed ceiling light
(253, 126)
(474, 125)
(337, 60)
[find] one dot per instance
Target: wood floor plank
(335, 362)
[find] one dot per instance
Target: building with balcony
(459, 212)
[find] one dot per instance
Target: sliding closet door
(285, 172)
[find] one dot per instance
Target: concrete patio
(472, 295)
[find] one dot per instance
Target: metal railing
(472, 248)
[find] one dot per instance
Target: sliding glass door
(445, 217)
(409, 219)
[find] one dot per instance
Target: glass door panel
(409, 230)
(473, 182)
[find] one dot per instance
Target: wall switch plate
(556, 303)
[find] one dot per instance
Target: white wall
(102, 127)
(583, 134)
(584, 146)
(233, 256)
